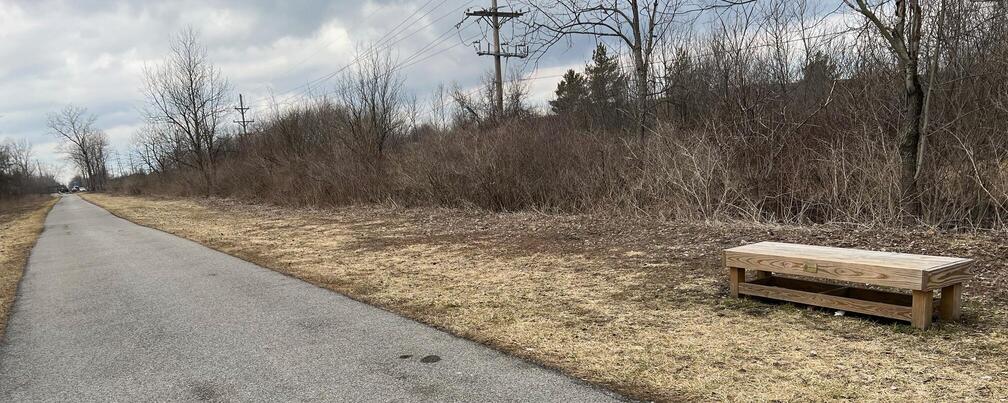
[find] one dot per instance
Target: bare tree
(7, 179)
(188, 94)
(638, 25)
(469, 109)
(904, 39)
(478, 107)
(84, 145)
(439, 104)
(20, 172)
(374, 99)
(23, 160)
(99, 148)
(159, 147)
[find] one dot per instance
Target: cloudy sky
(92, 53)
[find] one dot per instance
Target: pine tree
(819, 69)
(607, 86)
(571, 94)
(817, 76)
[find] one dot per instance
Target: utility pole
(119, 163)
(241, 109)
(497, 18)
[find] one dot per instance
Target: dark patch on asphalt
(204, 391)
(405, 356)
(430, 392)
(212, 274)
(315, 325)
(430, 359)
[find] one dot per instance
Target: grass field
(636, 305)
(21, 222)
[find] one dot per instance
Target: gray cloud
(92, 53)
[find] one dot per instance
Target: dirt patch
(636, 305)
(21, 222)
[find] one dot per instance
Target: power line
(306, 58)
(408, 64)
(378, 45)
(444, 37)
(395, 29)
(410, 61)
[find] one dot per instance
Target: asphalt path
(113, 311)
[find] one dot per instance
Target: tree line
(21, 173)
(773, 110)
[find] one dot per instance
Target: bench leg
(735, 276)
(760, 274)
(951, 302)
(922, 309)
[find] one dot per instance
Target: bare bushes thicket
(749, 125)
(542, 164)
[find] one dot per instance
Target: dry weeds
(638, 306)
(21, 222)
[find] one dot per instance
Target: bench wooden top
(902, 270)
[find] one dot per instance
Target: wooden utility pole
(119, 165)
(498, 77)
(241, 109)
(496, 18)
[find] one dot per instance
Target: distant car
(82, 189)
(75, 189)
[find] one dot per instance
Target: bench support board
(923, 308)
(918, 308)
(736, 276)
(851, 299)
(951, 302)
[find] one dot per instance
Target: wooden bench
(919, 273)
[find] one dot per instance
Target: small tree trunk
(643, 112)
(910, 144)
(643, 122)
(208, 174)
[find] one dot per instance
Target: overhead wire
(379, 45)
(392, 37)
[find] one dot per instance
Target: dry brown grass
(21, 222)
(639, 306)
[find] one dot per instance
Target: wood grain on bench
(900, 270)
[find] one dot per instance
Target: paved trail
(109, 310)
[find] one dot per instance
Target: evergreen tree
(607, 86)
(820, 69)
(817, 75)
(571, 94)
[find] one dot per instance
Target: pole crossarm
(502, 54)
(491, 13)
(502, 16)
(496, 18)
(241, 108)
